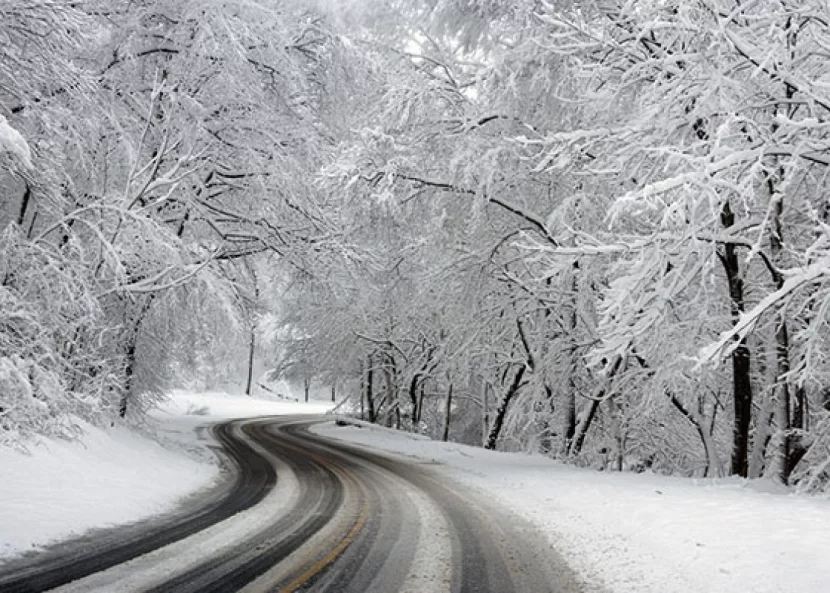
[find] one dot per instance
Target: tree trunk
(709, 448)
(370, 401)
(569, 424)
(546, 444)
(741, 358)
(421, 395)
(763, 431)
(333, 392)
(130, 350)
(569, 408)
(416, 388)
(251, 350)
(787, 444)
(615, 413)
(582, 429)
(129, 370)
(742, 393)
(501, 412)
(797, 448)
(362, 386)
(24, 205)
(485, 412)
(413, 399)
(587, 419)
(252, 318)
(306, 387)
(780, 465)
(390, 376)
(447, 414)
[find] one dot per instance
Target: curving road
(305, 513)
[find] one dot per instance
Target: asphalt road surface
(306, 513)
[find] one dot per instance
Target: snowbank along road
(307, 513)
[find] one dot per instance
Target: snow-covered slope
(628, 533)
(114, 476)
(109, 477)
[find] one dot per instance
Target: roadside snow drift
(109, 477)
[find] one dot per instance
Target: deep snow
(638, 533)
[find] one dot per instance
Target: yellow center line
(321, 564)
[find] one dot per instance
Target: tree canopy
(597, 229)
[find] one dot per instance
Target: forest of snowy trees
(595, 229)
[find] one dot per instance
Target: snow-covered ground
(628, 533)
(115, 476)
(623, 533)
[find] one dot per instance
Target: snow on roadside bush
(47, 377)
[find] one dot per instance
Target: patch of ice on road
(628, 533)
(116, 476)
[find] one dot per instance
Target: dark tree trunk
(742, 390)
(362, 387)
(251, 316)
(799, 409)
(569, 420)
(448, 415)
(251, 350)
(501, 412)
(129, 371)
(585, 424)
(370, 401)
(546, 443)
(569, 428)
(582, 432)
(421, 394)
(416, 387)
(24, 205)
(306, 386)
(741, 358)
(390, 376)
(333, 393)
(414, 400)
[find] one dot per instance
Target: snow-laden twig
(12, 141)
(729, 340)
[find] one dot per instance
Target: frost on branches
(615, 193)
(598, 230)
(153, 157)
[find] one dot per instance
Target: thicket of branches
(148, 151)
(595, 229)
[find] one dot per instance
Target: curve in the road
(320, 497)
(253, 477)
(355, 522)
